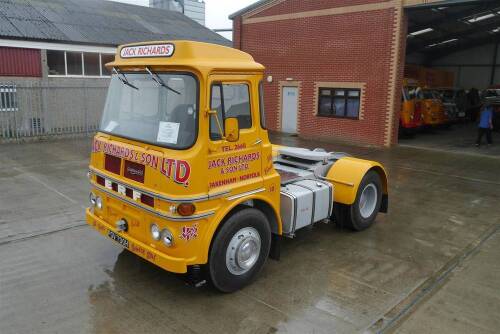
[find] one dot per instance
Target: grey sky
(217, 11)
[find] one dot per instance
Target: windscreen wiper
(160, 81)
(123, 79)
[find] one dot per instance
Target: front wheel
(362, 213)
(239, 250)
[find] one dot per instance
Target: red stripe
(20, 62)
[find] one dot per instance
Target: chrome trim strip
(257, 142)
(219, 194)
(157, 195)
(151, 210)
(248, 193)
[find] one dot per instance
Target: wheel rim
(243, 251)
(368, 200)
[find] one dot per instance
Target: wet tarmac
(59, 276)
(459, 137)
(469, 300)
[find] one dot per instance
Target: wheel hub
(368, 200)
(243, 251)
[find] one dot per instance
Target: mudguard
(346, 175)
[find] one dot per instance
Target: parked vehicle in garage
(433, 111)
(183, 173)
(492, 95)
(410, 118)
(455, 103)
(473, 103)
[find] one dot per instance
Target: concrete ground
(468, 301)
(460, 138)
(435, 250)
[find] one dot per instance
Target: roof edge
(408, 4)
(419, 4)
(248, 8)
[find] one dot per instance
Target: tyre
(239, 250)
(362, 213)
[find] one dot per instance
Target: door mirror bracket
(232, 128)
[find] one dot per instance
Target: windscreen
(448, 95)
(160, 109)
(429, 94)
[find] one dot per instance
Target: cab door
(234, 167)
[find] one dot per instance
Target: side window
(230, 100)
(216, 104)
(237, 104)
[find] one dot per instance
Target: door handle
(257, 142)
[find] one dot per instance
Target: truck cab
(410, 119)
(183, 173)
(455, 103)
(432, 108)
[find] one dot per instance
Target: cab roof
(205, 57)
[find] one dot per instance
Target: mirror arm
(214, 112)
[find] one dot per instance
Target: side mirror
(232, 128)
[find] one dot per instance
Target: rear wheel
(362, 213)
(239, 250)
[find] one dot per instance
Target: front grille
(100, 180)
(112, 164)
(134, 171)
(125, 191)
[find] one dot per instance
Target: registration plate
(121, 240)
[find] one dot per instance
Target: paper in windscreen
(168, 132)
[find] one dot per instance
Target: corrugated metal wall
(36, 110)
(20, 62)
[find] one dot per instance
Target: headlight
(167, 238)
(98, 202)
(155, 232)
(92, 199)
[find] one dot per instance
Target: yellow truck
(183, 174)
(432, 108)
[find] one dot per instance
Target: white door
(289, 110)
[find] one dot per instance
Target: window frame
(221, 85)
(262, 110)
(99, 63)
(82, 56)
(332, 101)
(223, 111)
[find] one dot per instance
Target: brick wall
(237, 33)
(352, 47)
(399, 77)
(293, 6)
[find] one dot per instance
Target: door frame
(283, 84)
(249, 142)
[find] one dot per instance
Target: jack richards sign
(151, 50)
(178, 171)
